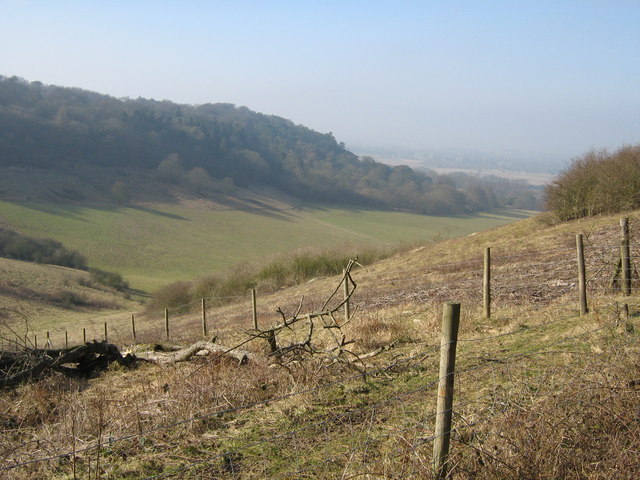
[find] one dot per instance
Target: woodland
(49, 131)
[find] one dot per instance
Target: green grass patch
(153, 245)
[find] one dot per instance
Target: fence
(505, 287)
(349, 438)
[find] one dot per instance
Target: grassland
(541, 392)
(156, 244)
(49, 297)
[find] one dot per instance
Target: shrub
(121, 193)
(281, 272)
(236, 281)
(596, 183)
(21, 247)
(110, 279)
(69, 299)
(174, 295)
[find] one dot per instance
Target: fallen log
(184, 354)
(30, 364)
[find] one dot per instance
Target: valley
(155, 244)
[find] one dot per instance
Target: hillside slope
(157, 243)
(541, 392)
(44, 297)
(66, 144)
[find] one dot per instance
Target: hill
(69, 145)
(48, 296)
(540, 391)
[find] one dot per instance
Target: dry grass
(576, 424)
(539, 394)
(52, 298)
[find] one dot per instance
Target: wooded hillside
(73, 132)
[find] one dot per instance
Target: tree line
(598, 182)
(213, 146)
(39, 250)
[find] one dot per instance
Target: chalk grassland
(47, 296)
(541, 392)
(157, 244)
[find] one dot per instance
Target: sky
(551, 79)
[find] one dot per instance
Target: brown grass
(537, 395)
(578, 426)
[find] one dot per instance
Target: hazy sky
(553, 78)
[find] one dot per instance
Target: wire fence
(306, 448)
(466, 366)
(403, 397)
(550, 276)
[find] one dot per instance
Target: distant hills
(71, 145)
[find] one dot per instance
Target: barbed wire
(419, 356)
(375, 405)
(290, 432)
(496, 259)
(255, 404)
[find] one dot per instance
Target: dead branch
(328, 322)
(30, 364)
(184, 354)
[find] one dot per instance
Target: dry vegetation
(540, 391)
(596, 183)
(46, 297)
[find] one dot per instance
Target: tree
(170, 170)
(598, 182)
(199, 180)
(477, 198)
(120, 192)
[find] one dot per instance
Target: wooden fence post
(48, 344)
(625, 257)
(84, 335)
(204, 318)
(347, 309)
(254, 308)
(106, 333)
(166, 323)
(486, 284)
(66, 339)
(582, 276)
(444, 412)
(35, 340)
(133, 328)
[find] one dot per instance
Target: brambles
(109, 279)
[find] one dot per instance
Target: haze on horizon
(539, 78)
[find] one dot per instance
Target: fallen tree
(32, 363)
(91, 357)
(183, 354)
(336, 348)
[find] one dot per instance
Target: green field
(153, 245)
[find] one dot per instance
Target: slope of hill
(154, 244)
(66, 144)
(541, 392)
(48, 296)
